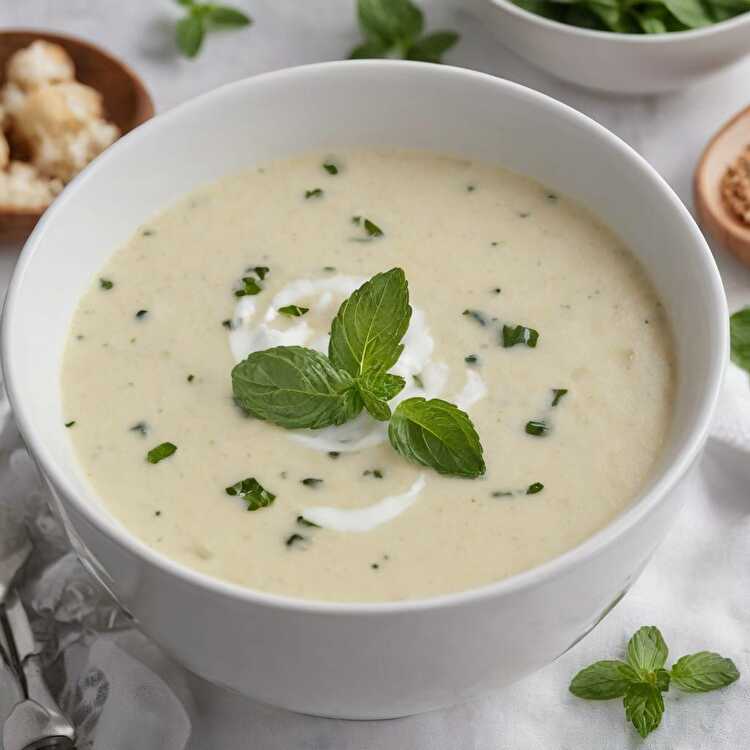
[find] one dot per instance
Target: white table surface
(669, 131)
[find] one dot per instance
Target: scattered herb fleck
(557, 394)
(329, 269)
(141, 314)
(106, 284)
(524, 214)
(314, 193)
(293, 311)
(374, 566)
(471, 188)
(294, 539)
(471, 359)
(418, 381)
(162, 451)
(312, 482)
(513, 335)
(157, 513)
(372, 229)
(502, 493)
(552, 197)
(148, 232)
(536, 427)
(333, 454)
(302, 521)
(534, 488)
(249, 287)
(260, 271)
(475, 315)
(252, 492)
(227, 324)
(141, 428)
(377, 473)
(331, 168)
(190, 378)
(497, 290)
(70, 424)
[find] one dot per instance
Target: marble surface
(669, 131)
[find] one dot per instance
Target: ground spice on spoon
(735, 187)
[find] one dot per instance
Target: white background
(697, 588)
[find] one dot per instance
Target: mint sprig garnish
(437, 433)
(394, 28)
(202, 18)
(641, 680)
(739, 333)
(295, 387)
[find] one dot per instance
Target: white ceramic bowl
(366, 660)
(617, 63)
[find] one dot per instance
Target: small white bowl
(362, 660)
(617, 63)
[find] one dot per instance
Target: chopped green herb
(329, 269)
(532, 489)
(377, 473)
(374, 566)
(557, 394)
(641, 680)
(331, 168)
(333, 454)
(190, 378)
(470, 188)
(162, 451)
(739, 333)
(249, 287)
(293, 311)
(524, 214)
(552, 197)
(252, 492)
(418, 381)
(70, 424)
(497, 290)
(302, 521)
(141, 428)
(513, 335)
(475, 315)
(157, 513)
(372, 229)
(356, 220)
(106, 283)
(536, 427)
(141, 314)
(471, 359)
(148, 232)
(502, 493)
(260, 271)
(294, 539)
(227, 324)
(314, 193)
(312, 482)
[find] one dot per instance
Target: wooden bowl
(126, 101)
(715, 218)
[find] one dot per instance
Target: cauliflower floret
(39, 64)
(12, 99)
(4, 150)
(62, 128)
(22, 187)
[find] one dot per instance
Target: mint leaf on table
(367, 330)
(201, 18)
(294, 387)
(647, 650)
(739, 333)
(644, 707)
(437, 434)
(252, 492)
(702, 672)
(603, 681)
(394, 27)
(644, 678)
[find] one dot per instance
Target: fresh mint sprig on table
(393, 28)
(739, 335)
(642, 678)
(295, 387)
(201, 18)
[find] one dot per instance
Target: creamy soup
(155, 338)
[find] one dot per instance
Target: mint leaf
(390, 21)
(369, 50)
(739, 332)
(249, 287)
(702, 672)
(603, 681)
(513, 335)
(294, 387)
(647, 650)
(367, 331)
(252, 492)
(438, 434)
(190, 34)
(377, 388)
(662, 679)
(162, 451)
(432, 47)
(294, 311)
(222, 15)
(644, 707)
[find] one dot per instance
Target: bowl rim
(672, 37)
(126, 541)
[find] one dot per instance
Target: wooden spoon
(714, 216)
(126, 101)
